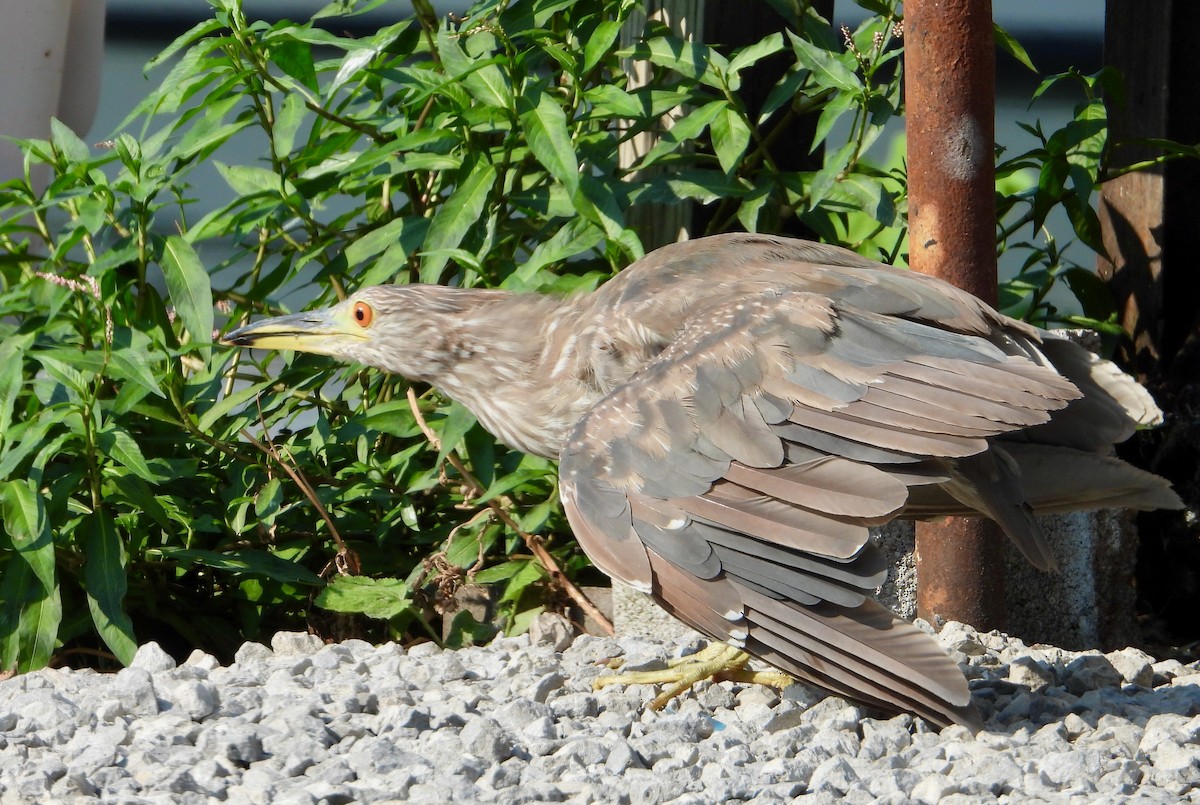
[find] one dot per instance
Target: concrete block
(634, 613)
(1088, 603)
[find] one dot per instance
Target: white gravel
(513, 722)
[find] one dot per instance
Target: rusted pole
(949, 82)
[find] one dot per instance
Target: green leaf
(1006, 42)
(600, 43)
(704, 186)
(67, 375)
(480, 448)
(1108, 327)
(730, 136)
(291, 115)
(376, 598)
(611, 101)
(352, 66)
(784, 92)
(348, 8)
(67, 142)
(752, 204)
(1051, 185)
(132, 364)
(453, 428)
(871, 197)
(12, 363)
(250, 180)
(262, 564)
(534, 520)
(688, 58)
(688, 128)
(826, 67)
(223, 406)
(212, 129)
(467, 545)
(599, 204)
(28, 529)
(269, 501)
(1088, 135)
(465, 630)
(509, 481)
(455, 217)
(398, 239)
(1085, 222)
(577, 237)
(752, 54)
(394, 418)
(30, 618)
(523, 620)
(105, 582)
(482, 77)
(189, 288)
(294, 58)
(531, 573)
(23, 441)
(545, 127)
(376, 241)
(137, 492)
(115, 442)
(196, 32)
(500, 572)
(1094, 295)
(825, 179)
(838, 105)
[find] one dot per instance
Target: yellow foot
(717, 661)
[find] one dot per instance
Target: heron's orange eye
(363, 314)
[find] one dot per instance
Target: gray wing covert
(734, 479)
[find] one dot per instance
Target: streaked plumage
(732, 413)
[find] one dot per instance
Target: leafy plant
(154, 486)
(1069, 165)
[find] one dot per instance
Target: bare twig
(532, 541)
(346, 561)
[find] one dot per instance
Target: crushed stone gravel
(517, 721)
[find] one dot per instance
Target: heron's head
(410, 330)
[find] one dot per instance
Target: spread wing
(735, 476)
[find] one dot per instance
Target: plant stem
(534, 543)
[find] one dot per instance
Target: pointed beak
(317, 331)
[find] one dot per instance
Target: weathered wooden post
(1148, 225)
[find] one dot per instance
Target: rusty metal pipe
(949, 83)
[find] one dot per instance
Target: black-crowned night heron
(732, 413)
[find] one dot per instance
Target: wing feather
(889, 438)
(827, 484)
(785, 581)
(870, 639)
(808, 439)
(735, 475)
(739, 430)
(776, 521)
(866, 570)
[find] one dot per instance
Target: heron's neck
(508, 369)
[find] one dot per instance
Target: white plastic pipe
(51, 53)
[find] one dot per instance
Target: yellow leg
(716, 661)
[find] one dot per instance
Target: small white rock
(152, 657)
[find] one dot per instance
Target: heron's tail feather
(1113, 405)
(866, 653)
